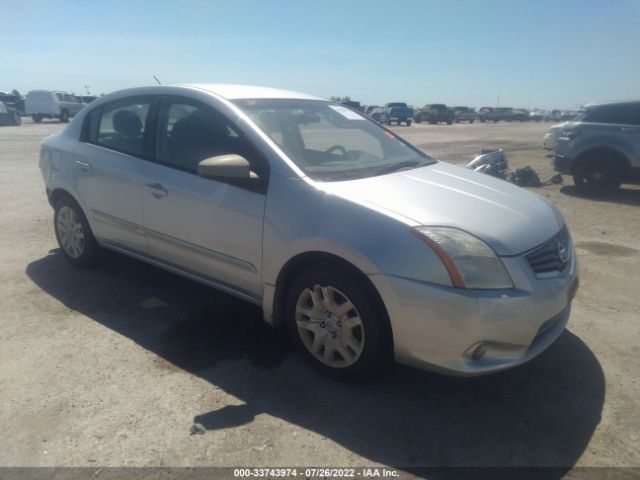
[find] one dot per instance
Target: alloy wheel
(70, 232)
(330, 326)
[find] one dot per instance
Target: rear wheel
(337, 325)
(74, 234)
(64, 116)
(408, 123)
(36, 117)
(598, 174)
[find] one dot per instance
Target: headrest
(127, 122)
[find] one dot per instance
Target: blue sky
(543, 53)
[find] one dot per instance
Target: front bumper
(435, 327)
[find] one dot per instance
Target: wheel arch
(295, 265)
(57, 193)
(589, 152)
(60, 192)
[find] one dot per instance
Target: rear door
(209, 228)
(107, 170)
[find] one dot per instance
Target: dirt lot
(111, 367)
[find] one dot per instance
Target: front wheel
(338, 326)
(74, 234)
(598, 175)
(37, 118)
(408, 123)
(64, 116)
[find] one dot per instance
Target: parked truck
(464, 114)
(47, 104)
(435, 113)
(396, 112)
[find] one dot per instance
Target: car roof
(235, 92)
(602, 104)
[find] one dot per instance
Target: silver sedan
(359, 244)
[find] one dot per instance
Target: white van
(47, 104)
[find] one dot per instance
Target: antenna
(157, 80)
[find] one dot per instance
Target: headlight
(471, 263)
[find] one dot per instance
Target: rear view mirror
(225, 166)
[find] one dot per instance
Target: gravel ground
(112, 366)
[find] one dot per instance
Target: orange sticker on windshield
(389, 134)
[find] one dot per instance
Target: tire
(388, 121)
(36, 117)
(599, 174)
(16, 120)
(470, 122)
(432, 122)
(64, 116)
(417, 119)
(449, 122)
(408, 123)
(360, 351)
(70, 221)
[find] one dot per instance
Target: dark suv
(601, 147)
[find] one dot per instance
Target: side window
(122, 125)
(189, 132)
(60, 97)
(634, 114)
(626, 114)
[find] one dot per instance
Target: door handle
(158, 191)
(84, 166)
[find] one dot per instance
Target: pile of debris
(494, 163)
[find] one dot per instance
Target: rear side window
(121, 125)
(625, 114)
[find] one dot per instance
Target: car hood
(510, 219)
(557, 126)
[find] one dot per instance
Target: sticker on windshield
(346, 113)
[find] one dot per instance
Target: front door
(212, 229)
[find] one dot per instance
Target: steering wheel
(343, 151)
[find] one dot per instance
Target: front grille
(552, 256)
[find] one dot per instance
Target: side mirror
(225, 166)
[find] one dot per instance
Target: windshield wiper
(399, 166)
(344, 176)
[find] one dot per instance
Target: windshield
(331, 142)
